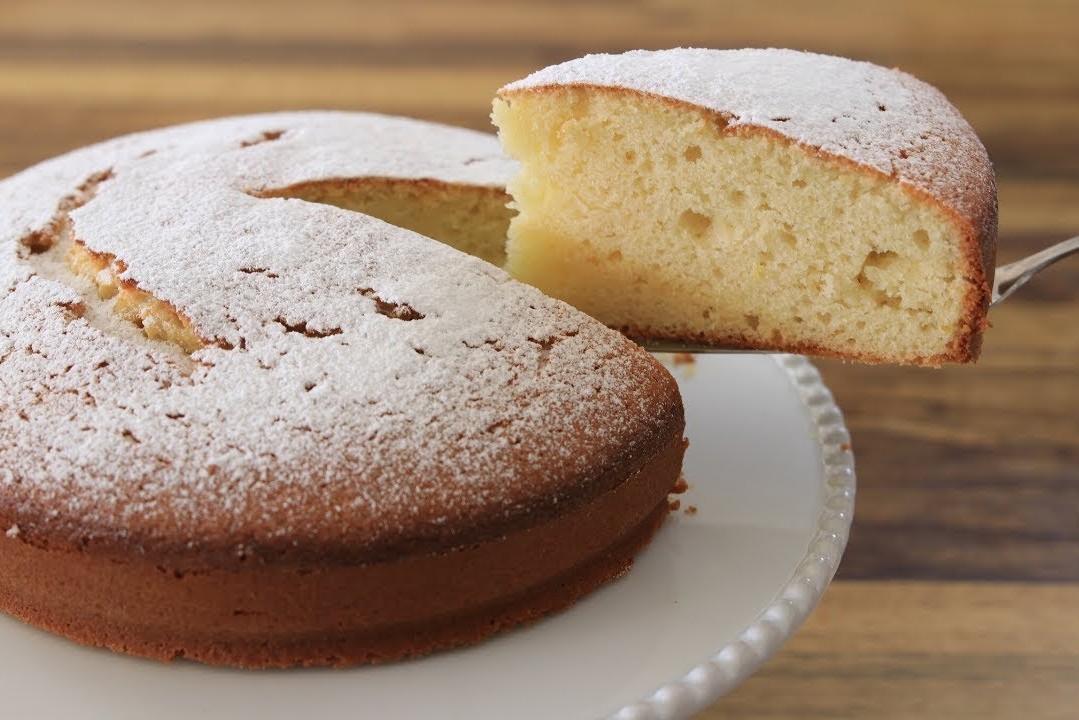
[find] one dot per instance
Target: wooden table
(959, 593)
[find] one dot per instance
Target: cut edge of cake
(727, 239)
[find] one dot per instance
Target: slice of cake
(249, 429)
(754, 199)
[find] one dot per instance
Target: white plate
(716, 594)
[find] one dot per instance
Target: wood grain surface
(957, 596)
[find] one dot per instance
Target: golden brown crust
(285, 614)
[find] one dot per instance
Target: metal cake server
(1011, 277)
(1006, 280)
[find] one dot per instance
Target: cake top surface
(361, 386)
(876, 117)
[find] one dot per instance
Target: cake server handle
(1011, 277)
(1007, 279)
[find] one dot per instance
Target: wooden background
(959, 593)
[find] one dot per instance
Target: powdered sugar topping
(363, 385)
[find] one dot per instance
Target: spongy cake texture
(754, 198)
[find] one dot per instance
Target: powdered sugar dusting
(881, 119)
(316, 418)
(12, 532)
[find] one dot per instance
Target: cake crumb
(681, 486)
(12, 532)
(674, 504)
(690, 510)
(683, 358)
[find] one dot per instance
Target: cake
(245, 424)
(766, 199)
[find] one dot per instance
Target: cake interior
(471, 218)
(158, 319)
(647, 215)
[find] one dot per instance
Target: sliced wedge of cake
(754, 198)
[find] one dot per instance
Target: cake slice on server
(766, 199)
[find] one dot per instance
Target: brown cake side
(281, 613)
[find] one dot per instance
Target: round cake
(246, 424)
(755, 198)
